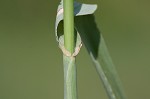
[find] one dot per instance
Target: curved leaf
(94, 43)
(79, 9)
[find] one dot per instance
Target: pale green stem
(70, 82)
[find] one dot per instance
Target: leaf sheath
(70, 89)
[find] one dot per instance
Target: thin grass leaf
(94, 43)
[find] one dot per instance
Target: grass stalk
(69, 25)
(70, 82)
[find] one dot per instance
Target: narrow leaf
(94, 43)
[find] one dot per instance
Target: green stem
(70, 82)
(69, 25)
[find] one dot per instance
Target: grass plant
(75, 24)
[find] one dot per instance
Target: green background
(31, 62)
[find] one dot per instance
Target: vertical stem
(69, 25)
(70, 82)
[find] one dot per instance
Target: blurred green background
(31, 62)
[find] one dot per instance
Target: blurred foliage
(31, 62)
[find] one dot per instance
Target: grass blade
(94, 43)
(107, 73)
